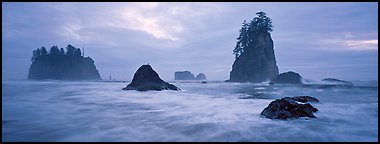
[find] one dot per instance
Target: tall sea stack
(255, 60)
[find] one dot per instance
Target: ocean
(216, 111)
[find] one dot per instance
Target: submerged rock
(338, 81)
(200, 76)
(287, 78)
(146, 78)
(289, 107)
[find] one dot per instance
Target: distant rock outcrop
(183, 75)
(187, 75)
(200, 76)
(287, 78)
(146, 78)
(336, 81)
(290, 108)
(255, 60)
(56, 64)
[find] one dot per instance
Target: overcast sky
(317, 40)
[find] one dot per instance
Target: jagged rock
(62, 66)
(288, 107)
(287, 78)
(336, 81)
(200, 76)
(257, 63)
(183, 75)
(146, 78)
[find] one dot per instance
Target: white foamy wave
(216, 111)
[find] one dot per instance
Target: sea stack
(255, 60)
(146, 79)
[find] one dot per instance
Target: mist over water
(216, 111)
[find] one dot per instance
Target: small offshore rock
(146, 79)
(289, 77)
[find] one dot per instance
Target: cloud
(354, 45)
(361, 44)
(138, 19)
(170, 23)
(163, 20)
(70, 30)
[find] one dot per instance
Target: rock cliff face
(146, 78)
(257, 63)
(200, 76)
(62, 66)
(183, 75)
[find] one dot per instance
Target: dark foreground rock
(146, 78)
(289, 107)
(287, 78)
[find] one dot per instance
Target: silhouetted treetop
(54, 51)
(43, 51)
(61, 51)
(77, 52)
(262, 22)
(36, 54)
(70, 50)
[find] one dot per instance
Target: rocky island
(60, 65)
(254, 54)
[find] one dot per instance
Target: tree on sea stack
(261, 23)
